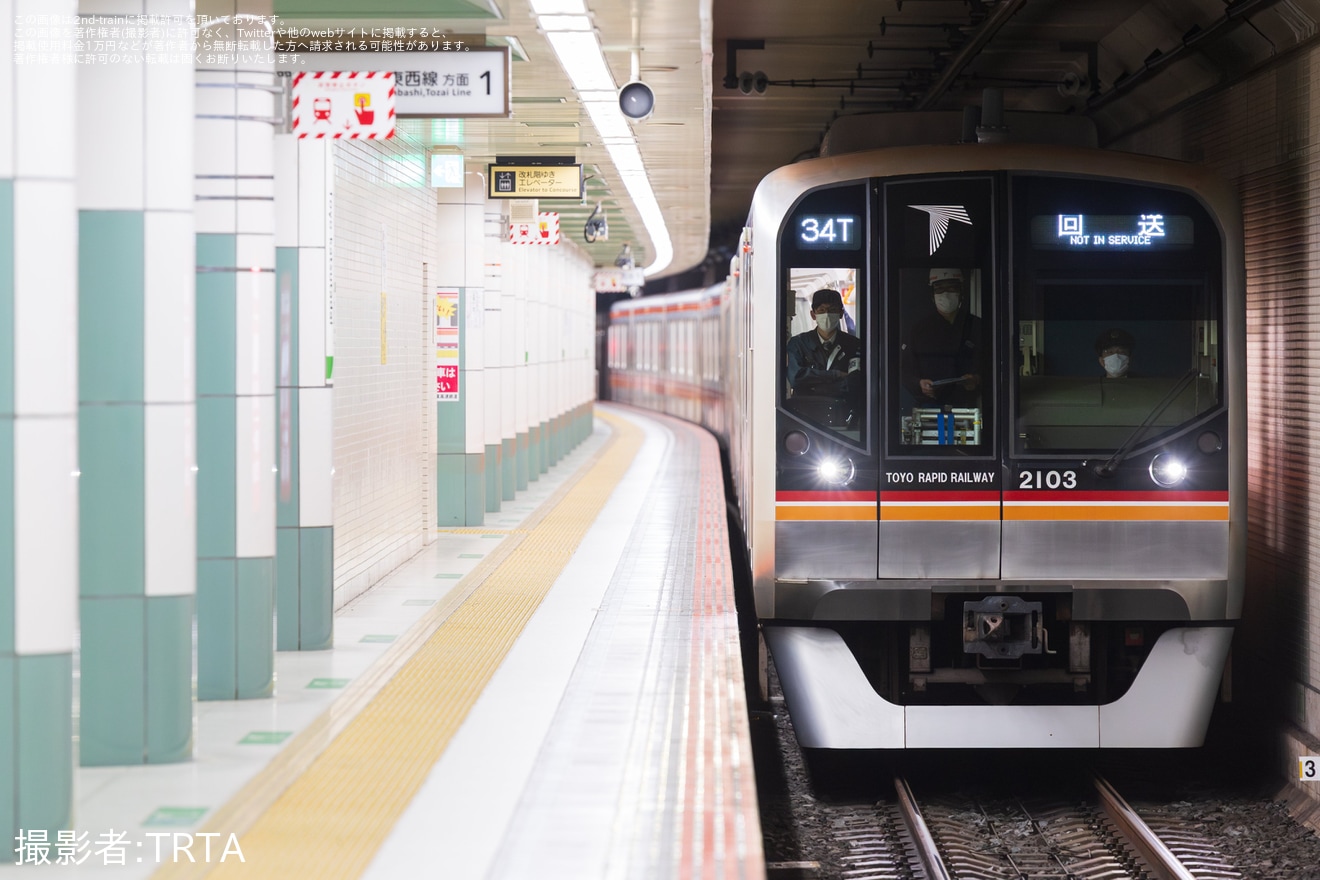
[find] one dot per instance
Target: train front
(1001, 501)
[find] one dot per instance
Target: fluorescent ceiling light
(627, 158)
(569, 33)
(559, 7)
(608, 119)
(564, 23)
(579, 55)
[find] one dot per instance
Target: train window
(1117, 305)
(940, 352)
(825, 381)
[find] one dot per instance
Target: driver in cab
(825, 360)
(940, 356)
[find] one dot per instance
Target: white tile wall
(170, 295)
(315, 446)
(255, 468)
(44, 128)
(169, 126)
(45, 293)
(380, 410)
(254, 316)
(171, 500)
(45, 534)
(7, 115)
(111, 105)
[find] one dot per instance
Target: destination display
(828, 232)
(1111, 232)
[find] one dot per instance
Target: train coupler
(1003, 627)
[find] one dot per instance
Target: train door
(940, 477)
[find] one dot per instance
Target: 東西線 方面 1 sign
(471, 82)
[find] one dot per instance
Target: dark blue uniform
(935, 349)
(822, 369)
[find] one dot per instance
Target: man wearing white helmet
(940, 360)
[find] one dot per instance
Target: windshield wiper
(1106, 469)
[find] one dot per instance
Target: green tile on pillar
(217, 663)
(112, 686)
(509, 468)
(45, 741)
(533, 453)
(543, 442)
(6, 538)
(288, 588)
(8, 745)
(317, 616)
(217, 470)
(494, 474)
(286, 290)
(450, 425)
(169, 679)
(521, 476)
(255, 632)
(217, 315)
(111, 305)
(112, 500)
(450, 491)
(286, 457)
(475, 484)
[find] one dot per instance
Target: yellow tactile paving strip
(330, 821)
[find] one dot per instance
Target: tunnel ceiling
(1119, 62)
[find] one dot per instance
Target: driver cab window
(824, 350)
(942, 356)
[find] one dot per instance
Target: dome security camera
(636, 100)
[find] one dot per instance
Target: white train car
(1014, 514)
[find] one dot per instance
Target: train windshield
(824, 351)
(1117, 297)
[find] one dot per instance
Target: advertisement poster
(446, 344)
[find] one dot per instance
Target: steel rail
(921, 836)
(1158, 857)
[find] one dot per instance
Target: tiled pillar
(543, 399)
(493, 382)
(510, 359)
(235, 367)
(304, 558)
(38, 432)
(521, 357)
(136, 415)
(460, 455)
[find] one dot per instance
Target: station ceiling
(745, 86)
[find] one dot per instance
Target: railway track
(1089, 836)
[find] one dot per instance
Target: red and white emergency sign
(338, 104)
(544, 231)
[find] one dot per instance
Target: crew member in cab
(1113, 348)
(940, 358)
(825, 361)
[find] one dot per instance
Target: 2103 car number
(1047, 480)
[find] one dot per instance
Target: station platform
(555, 694)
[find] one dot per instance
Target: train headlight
(836, 471)
(1167, 470)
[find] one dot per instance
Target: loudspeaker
(636, 100)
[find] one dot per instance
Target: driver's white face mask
(946, 303)
(828, 322)
(1116, 365)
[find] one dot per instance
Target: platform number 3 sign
(1309, 768)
